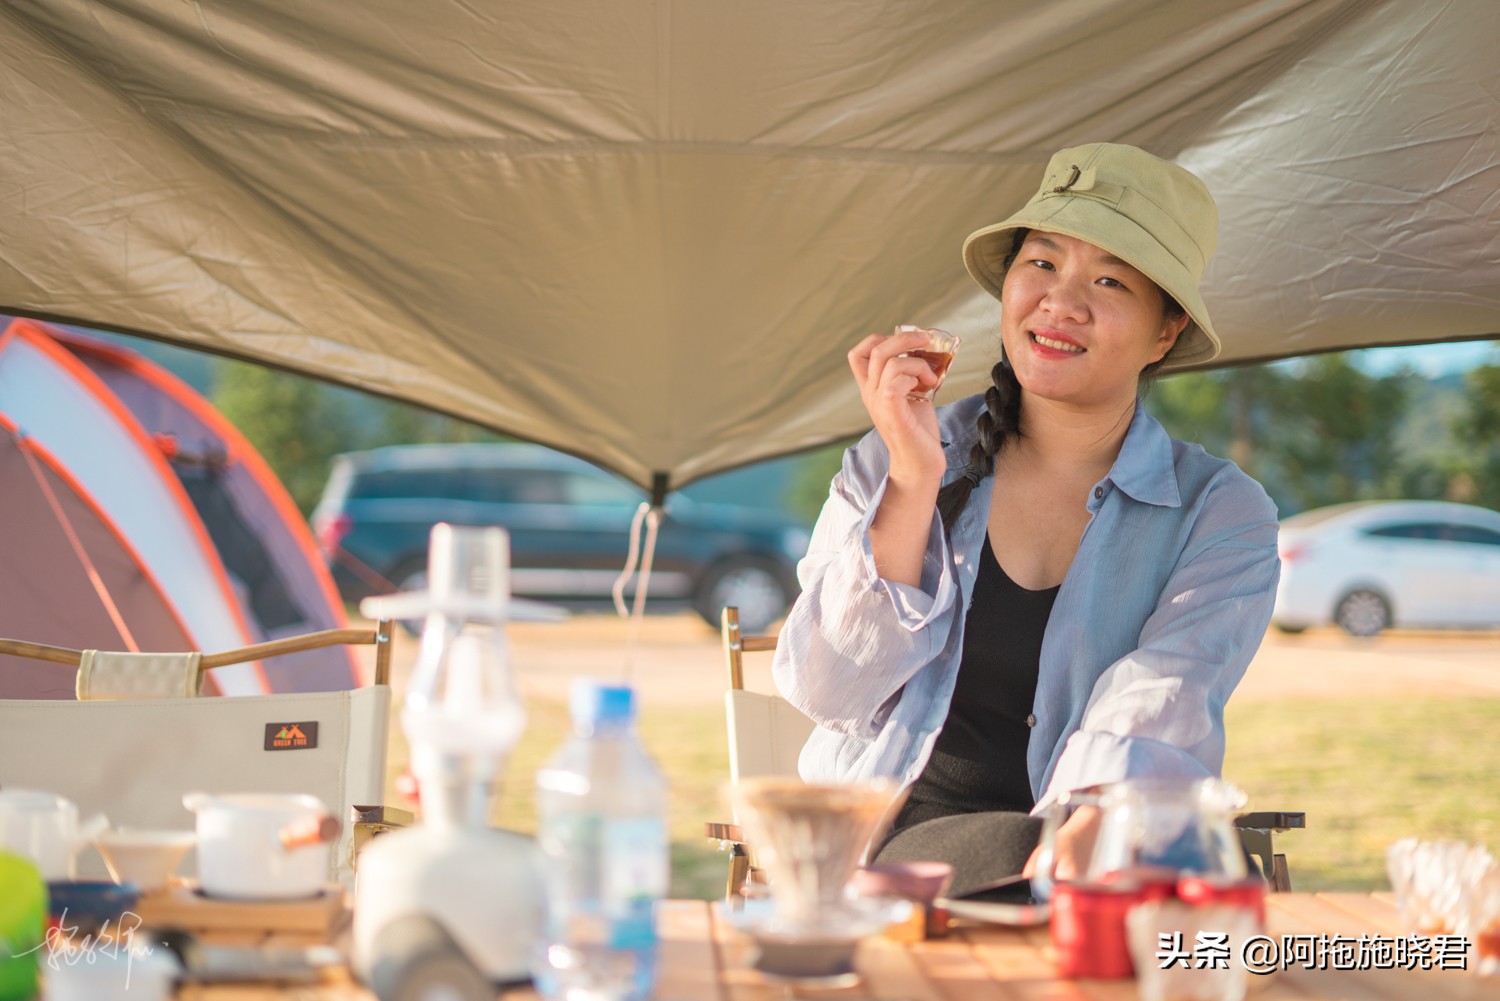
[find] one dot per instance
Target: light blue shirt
(1164, 605)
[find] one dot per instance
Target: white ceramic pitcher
(44, 828)
(262, 846)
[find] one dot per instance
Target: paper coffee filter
(810, 838)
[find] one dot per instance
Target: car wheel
(1363, 613)
(757, 587)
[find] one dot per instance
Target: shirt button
(1098, 493)
(1031, 719)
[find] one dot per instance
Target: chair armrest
(724, 832)
(372, 821)
(1271, 820)
(1257, 833)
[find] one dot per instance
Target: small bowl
(144, 858)
(919, 882)
(89, 905)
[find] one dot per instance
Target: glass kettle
(1153, 826)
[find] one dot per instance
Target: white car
(1369, 566)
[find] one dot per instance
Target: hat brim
(1099, 223)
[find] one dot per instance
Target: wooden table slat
(956, 973)
(689, 957)
(1019, 960)
(892, 972)
(1377, 911)
(703, 959)
(1311, 914)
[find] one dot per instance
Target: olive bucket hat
(1152, 214)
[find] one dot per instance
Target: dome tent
(138, 518)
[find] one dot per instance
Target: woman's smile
(1056, 343)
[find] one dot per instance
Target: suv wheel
(756, 586)
(1363, 613)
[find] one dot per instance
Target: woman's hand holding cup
(897, 375)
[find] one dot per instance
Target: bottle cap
(594, 702)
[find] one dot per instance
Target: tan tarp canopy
(646, 231)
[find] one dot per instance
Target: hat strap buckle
(1072, 180)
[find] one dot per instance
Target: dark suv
(569, 525)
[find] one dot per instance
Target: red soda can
(1249, 893)
(1088, 925)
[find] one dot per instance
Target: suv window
(1474, 533)
(405, 483)
(537, 486)
(584, 489)
(490, 486)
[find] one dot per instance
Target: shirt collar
(1144, 468)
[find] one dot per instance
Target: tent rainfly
(646, 232)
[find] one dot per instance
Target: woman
(1036, 590)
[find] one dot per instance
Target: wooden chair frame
(379, 637)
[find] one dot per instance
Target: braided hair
(1000, 422)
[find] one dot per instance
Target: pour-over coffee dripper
(810, 839)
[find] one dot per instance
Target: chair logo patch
(291, 736)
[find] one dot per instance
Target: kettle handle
(313, 830)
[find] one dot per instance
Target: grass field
(1366, 772)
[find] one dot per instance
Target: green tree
(1333, 432)
(390, 422)
(296, 423)
(1193, 406)
(809, 483)
(1478, 431)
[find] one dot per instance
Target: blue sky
(1431, 359)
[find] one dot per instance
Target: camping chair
(133, 758)
(766, 735)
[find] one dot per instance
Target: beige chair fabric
(133, 759)
(766, 734)
(104, 675)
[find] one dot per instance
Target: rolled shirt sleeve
(853, 640)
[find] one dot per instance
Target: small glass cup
(1429, 878)
(938, 353)
(1479, 912)
(1484, 923)
(1185, 952)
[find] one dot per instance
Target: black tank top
(979, 760)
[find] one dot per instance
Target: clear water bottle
(601, 823)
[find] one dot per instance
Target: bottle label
(637, 870)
